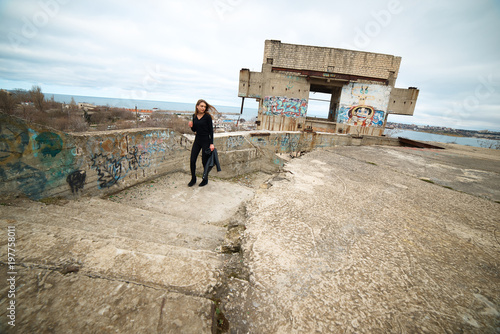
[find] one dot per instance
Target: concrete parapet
(40, 162)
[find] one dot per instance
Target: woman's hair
(207, 110)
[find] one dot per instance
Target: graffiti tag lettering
(110, 170)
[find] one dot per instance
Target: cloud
(181, 50)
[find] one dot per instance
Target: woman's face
(202, 107)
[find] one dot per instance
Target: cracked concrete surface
(364, 245)
(347, 239)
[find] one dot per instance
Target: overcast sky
(188, 49)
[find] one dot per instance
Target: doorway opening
(324, 98)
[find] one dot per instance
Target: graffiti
(234, 142)
(27, 163)
(37, 162)
(289, 107)
(111, 170)
(286, 143)
(28, 180)
(259, 141)
(289, 143)
(136, 159)
(158, 143)
(49, 143)
(13, 139)
(364, 104)
(108, 170)
(364, 116)
(76, 180)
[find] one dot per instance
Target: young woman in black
(203, 127)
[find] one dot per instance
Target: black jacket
(213, 159)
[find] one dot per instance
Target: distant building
(85, 106)
(361, 86)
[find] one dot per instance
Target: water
(424, 136)
(248, 113)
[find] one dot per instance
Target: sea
(249, 113)
(424, 136)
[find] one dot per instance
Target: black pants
(200, 143)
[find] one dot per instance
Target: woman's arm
(211, 132)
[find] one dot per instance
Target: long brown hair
(207, 110)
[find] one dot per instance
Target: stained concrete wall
(40, 162)
(403, 101)
(283, 98)
(323, 59)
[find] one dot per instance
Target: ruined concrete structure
(361, 85)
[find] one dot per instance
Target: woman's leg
(195, 151)
(204, 158)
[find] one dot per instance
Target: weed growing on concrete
(53, 201)
(220, 323)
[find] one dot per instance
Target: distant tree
(22, 95)
(52, 104)
(7, 101)
(37, 98)
(72, 104)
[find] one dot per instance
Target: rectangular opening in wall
(324, 98)
(318, 105)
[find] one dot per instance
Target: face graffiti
(361, 115)
(363, 105)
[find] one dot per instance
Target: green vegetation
(53, 200)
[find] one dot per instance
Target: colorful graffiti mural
(32, 159)
(285, 106)
(38, 162)
(117, 155)
(363, 104)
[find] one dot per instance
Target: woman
(204, 140)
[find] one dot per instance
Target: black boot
(204, 182)
(192, 182)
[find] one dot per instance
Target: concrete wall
(40, 162)
(283, 98)
(363, 105)
(334, 60)
(403, 101)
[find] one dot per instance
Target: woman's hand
(212, 147)
(190, 124)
